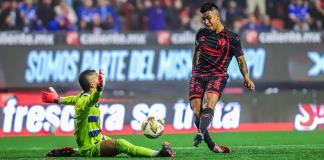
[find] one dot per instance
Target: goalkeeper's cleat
(222, 149)
(198, 139)
(166, 150)
(62, 152)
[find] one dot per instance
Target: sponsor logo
(221, 42)
(59, 66)
(289, 37)
(186, 37)
(163, 38)
(318, 64)
(72, 38)
(36, 119)
(237, 38)
(113, 39)
(252, 37)
(310, 116)
(202, 38)
(27, 39)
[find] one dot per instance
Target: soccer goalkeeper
(91, 142)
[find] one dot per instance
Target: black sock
(210, 143)
(205, 119)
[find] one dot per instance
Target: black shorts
(200, 85)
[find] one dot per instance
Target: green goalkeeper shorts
(92, 150)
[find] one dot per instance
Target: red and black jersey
(216, 51)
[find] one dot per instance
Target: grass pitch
(245, 145)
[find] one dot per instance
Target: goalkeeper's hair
(84, 81)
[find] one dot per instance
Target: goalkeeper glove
(101, 80)
(50, 96)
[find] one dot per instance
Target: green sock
(126, 147)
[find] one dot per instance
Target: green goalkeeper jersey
(87, 117)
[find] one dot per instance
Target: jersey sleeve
(68, 100)
(235, 46)
(94, 98)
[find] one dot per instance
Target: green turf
(245, 145)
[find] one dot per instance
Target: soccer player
(91, 141)
(215, 46)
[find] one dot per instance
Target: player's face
(93, 80)
(210, 19)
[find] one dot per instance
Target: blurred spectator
(172, 14)
(266, 25)
(85, 14)
(185, 19)
(4, 5)
(108, 16)
(233, 13)
(252, 5)
(222, 6)
(278, 10)
(237, 26)
(155, 16)
(319, 7)
(76, 5)
(277, 24)
(133, 17)
(252, 24)
(10, 18)
(28, 12)
(97, 25)
(45, 14)
(299, 15)
(69, 2)
(65, 18)
(65, 10)
(195, 22)
(61, 23)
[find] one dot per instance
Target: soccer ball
(152, 127)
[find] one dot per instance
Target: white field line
(260, 147)
(239, 147)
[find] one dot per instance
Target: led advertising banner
(58, 65)
(43, 59)
(23, 114)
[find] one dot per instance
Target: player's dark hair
(208, 6)
(83, 80)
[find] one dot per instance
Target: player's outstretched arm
(51, 96)
(68, 100)
(248, 83)
(94, 97)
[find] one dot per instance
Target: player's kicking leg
(110, 148)
(209, 103)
